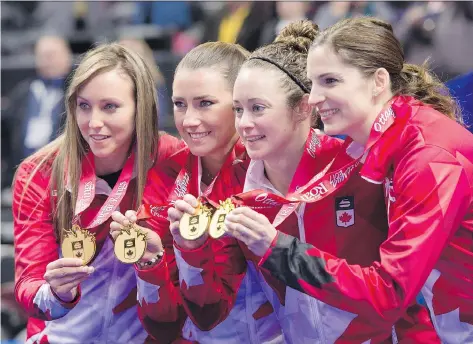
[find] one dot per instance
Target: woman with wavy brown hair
(413, 144)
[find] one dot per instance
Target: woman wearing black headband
(345, 217)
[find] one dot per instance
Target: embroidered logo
(266, 199)
(181, 185)
(383, 119)
(313, 144)
(345, 211)
(157, 210)
(340, 176)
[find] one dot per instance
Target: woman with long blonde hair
(97, 165)
(186, 281)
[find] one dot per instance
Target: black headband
(300, 84)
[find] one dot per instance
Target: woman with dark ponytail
(414, 145)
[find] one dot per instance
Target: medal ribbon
(181, 187)
(223, 180)
(86, 192)
(187, 182)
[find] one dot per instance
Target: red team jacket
(426, 163)
(201, 286)
(105, 310)
(354, 232)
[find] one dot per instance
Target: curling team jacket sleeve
(176, 280)
(35, 244)
(159, 304)
(432, 196)
(210, 276)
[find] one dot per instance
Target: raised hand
(252, 228)
(189, 205)
(153, 240)
(64, 275)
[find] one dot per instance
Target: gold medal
(130, 244)
(217, 224)
(192, 227)
(78, 243)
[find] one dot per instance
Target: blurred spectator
(233, 21)
(165, 14)
(331, 12)
(287, 12)
(240, 22)
(68, 17)
(452, 52)
(418, 29)
(16, 15)
(35, 107)
(143, 49)
(439, 33)
(176, 21)
(404, 15)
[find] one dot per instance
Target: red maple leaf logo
(345, 218)
(42, 314)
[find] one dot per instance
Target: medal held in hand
(130, 244)
(192, 227)
(217, 224)
(78, 243)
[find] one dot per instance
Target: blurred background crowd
(42, 41)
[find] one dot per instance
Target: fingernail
(88, 269)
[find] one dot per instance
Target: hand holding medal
(189, 222)
(65, 274)
(252, 228)
(133, 242)
(192, 222)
